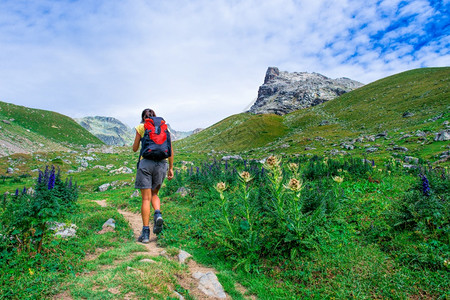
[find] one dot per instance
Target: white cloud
(194, 62)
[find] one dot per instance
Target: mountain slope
(108, 129)
(25, 130)
(392, 108)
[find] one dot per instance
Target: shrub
(25, 216)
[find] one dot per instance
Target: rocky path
(195, 281)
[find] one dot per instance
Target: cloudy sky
(196, 62)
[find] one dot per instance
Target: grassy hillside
(234, 134)
(397, 105)
(24, 128)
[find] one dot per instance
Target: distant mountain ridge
(115, 133)
(108, 129)
(284, 92)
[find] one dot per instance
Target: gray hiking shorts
(150, 174)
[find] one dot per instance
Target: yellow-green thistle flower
(293, 167)
(338, 179)
(294, 185)
(272, 162)
(245, 176)
(220, 187)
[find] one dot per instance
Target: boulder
(444, 135)
(104, 187)
(210, 285)
(183, 256)
(63, 230)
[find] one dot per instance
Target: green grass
(43, 126)
(356, 251)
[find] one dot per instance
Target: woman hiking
(152, 169)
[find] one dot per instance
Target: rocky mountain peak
(284, 92)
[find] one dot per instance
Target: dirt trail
(186, 281)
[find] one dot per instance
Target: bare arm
(170, 173)
(137, 140)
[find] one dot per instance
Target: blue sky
(196, 62)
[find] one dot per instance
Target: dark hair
(146, 113)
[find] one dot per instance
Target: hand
(170, 174)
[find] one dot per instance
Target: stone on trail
(183, 256)
(147, 260)
(209, 284)
(110, 222)
(178, 295)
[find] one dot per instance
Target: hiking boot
(157, 222)
(145, 236)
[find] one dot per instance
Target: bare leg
(156, 202)
(145, 208)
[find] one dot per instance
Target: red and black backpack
(156, 143)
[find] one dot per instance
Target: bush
(25, 216)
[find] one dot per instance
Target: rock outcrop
(284, 92)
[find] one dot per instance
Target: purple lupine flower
(70, 183)
(226, 165)
(198, 170)
(425, 186)
(262, 171)
(40, 176)
(51, 180)
(17, 192)
(46, 174)
(24, 191)
(373, 163)
(245, 163)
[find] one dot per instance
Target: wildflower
(184, 168)
(220, 187)
(325, 160)
(272, 162)
(293, 167)
(425, 186)
(373, 163)
(40, 176)
(51, 180)
(338, 179)
(339, 170)
(30, 271)
(447, 263)
(17, 192)
(245, 176)
(380, 170)
(24, 191)
(295, 185)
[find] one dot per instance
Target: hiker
(152, 168)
